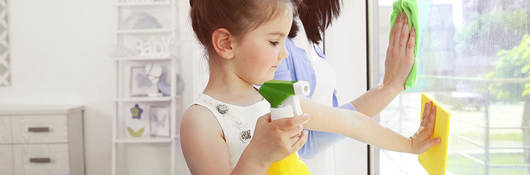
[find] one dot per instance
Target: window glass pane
(475, 61)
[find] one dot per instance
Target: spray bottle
(284, 97)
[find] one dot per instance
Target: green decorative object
(138, 133)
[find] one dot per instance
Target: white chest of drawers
(41, 140)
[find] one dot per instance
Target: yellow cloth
(434, 160)
(290, 165)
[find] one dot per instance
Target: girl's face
(259, 52)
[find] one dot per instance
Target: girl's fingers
(426, 110)
(427, 124)
(286, 124)
(300, 141)
(431, 142)
(295, 131)
(424, 118)
(430, 121)
(426, 113)
(432, 118)
(426, 129)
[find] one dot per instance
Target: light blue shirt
(297, 67)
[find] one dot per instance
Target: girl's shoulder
(199, 120)
(202, 141)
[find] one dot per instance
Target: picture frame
(137, 122)
(159, 119)
(140, 84)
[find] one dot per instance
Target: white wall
(59, 55)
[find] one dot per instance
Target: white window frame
(373, 62)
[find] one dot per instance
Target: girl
(229, 130)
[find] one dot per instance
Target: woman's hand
(400, 54)
(422, 141)
(274, 140)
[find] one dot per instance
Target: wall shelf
(125, 120)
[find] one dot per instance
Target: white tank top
(237, 122)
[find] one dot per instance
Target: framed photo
(160, 121)
(140, 84)
(5, 70)
(137, 120)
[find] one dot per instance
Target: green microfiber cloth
(411, 9)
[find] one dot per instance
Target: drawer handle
(40, 160)
(38, 129)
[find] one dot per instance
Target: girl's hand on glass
(275, 139)
(421, 141)
(399, 54)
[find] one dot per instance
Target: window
(475, 61)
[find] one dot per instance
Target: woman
(306, 62)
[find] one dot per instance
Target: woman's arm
(363, 128)
(375, 100)
(398, 63)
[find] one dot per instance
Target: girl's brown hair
(237, 16)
